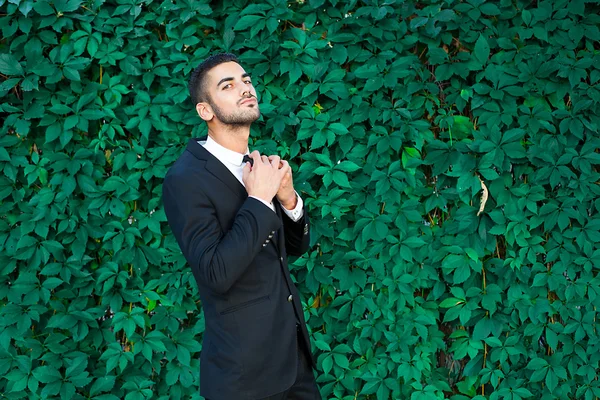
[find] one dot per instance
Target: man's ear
(205, 111)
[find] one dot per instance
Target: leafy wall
(447, 152)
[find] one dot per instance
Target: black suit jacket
(237, 248)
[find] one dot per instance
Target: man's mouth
(249, 100)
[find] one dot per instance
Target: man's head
(221, 90)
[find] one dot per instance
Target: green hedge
(447, 152)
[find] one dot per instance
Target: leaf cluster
(396, 117)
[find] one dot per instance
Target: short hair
(197, 83)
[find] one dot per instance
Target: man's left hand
(286, 193)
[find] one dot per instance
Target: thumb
(283, 172)
(246, 172)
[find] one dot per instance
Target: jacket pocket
(240, 306)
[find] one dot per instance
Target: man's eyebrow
(246, 75)
(224, 80)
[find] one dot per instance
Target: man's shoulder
(186, 165)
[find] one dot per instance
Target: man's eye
(249, 82)
(227, 86)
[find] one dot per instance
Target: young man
(236, 219)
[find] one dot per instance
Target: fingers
(255, 155)
(278, 162)
(284, 165)
(286, 170)
(275, 161)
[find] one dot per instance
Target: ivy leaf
(482, 50)
(47, 374)
(322, 345)
(451, 302)
(9, 65)
(537, 363)
(247, 21)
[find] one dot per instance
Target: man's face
(232, 96)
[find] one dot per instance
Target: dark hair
(197, 83)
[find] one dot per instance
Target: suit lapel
(216, 167)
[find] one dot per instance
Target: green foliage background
(392, 113)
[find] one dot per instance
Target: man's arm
(297, 234)
(296, 224)
(217, 258)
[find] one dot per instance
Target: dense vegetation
(447, 152)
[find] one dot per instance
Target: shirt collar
(223, 154)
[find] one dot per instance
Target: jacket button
(290, 298)
(281, 259)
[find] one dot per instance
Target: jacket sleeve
(217, 258)
(297, 234)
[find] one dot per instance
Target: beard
(239, 117)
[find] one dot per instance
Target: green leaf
(341, 360)
(462, 273)
(451, 302)
(247, 21)
(321, 345)
(453, 261)
(47, 374)
(131, 66)
(8, 84)
(71, 74)
(551, 381)
(482, 50)
(338, 128)
(537, 363)
(4, 156)
(577, 7)
(9, 65)
(489, 9)
(347, 166)
(341, 179)
(26, 241)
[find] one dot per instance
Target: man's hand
(263, 179)
(286, 193)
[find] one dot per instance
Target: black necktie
(248, 159)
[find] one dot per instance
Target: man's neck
(234, 139)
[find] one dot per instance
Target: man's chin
(251, 111)
(251, 117)
(243, 115)
(247, 120)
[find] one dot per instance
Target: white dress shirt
(233, 161)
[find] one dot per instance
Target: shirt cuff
(297, 212)
(270, 205)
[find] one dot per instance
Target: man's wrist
(290, 204)
(265, 202)
(260, 196)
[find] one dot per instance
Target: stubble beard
(237, 118)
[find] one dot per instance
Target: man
(235, 220)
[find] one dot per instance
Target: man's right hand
(263, 179)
